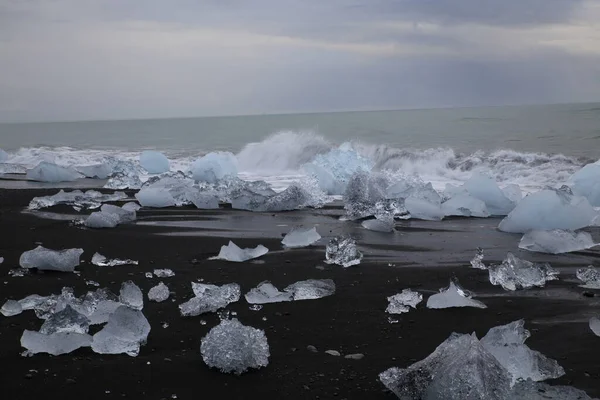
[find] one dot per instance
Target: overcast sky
(116, 59)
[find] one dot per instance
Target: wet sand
(423, 256)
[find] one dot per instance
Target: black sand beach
(420, 255)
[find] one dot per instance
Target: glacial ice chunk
(231, 252)
(424, 203)
(90, 199)
(11, 308)
(159, 293)
(311, 289)
(590, 276)
(95, 171)
(453, 296)
(556, 241)
(214, 166)
(515, 273)
(477, 261)
(486, 190)
(66, 320)
(101, 261)
(209, 298)
(594, 324)
(155, 197)
(381, 223)
(131, 206)
(205, 201)
(55, 344)
(122, 180)
(100, 220)
(342, 250)
(513, 193)
(507, 344)
(163, 273)
(50, 172)
(362, 193)
(233, 347)
(297, 196)
(586, 183)
(265, 293)
(301, 237)
(124, 215)
(131, 295)
(549, 209)
(400, 303)
(465, 205)
(127, 329)
(46, 259)
(154, 162)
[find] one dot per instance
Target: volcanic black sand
(419, 255)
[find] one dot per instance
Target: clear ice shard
(301, 237)
(586, 183)
(594, 324)
(101, 261)
(465, 205)
(209, 298)
(590, 276)
(11, 308)
(549, 209)
(310, 289)
(127, 329)
(515, 273)
(381, 223)
(459, 369)
(66, 320)
(477, 261)
(507, 344)
(125, 215)
(155, 197)
(453, 296)
(485, 189)
(424, 203)
(131, 295)
(154, 162)
(556, 241)
(55, 344)
(159, 293)
(90, 199)
(50, 172)
(265, 293)
(95, 171)
(233, 347)
(342, 250)
(204, 201)
(232, 252)
(52, 260)
(100, 220)
(400, 303)
(363, 191)
(121, 181)
(163, 273)
(214, 166)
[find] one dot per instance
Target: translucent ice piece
(10, 308)
(127, 329)
(486, 190)
(101, 261)
(586, 183)
(234, 348)
(465, 205)
(515, 273)
(122, 180)
(154, 162)
(123, 214)
(231, 252)
(131, 206)
(342, 250)
(90, 199)
(382, 223)
(46, 259)
(400, 303)
(265, 293)
(131, 295)
(204, 201)
(301, 237)
(590, 276)
(95, 171)
(214, 167)
(362, 192)
(453, 296)
(209, 298)
(49, 172)
(163, 273)
(67, 320)
(99, 220)
(311, 289)
(477, 261)
(424, 203)
(159, 293)
(556, 241)
(595, 325)
(155, 197)
(55, 344)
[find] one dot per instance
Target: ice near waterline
(127, 329)
(159, 293)
(381, 223)
(101, 261)
(100, 220)
(586, 183)
(131, 295)
(515, 273)
(154, 162)
(342, 250)
(232, 252)
(310, 289)
(477, 261)
(121, 181)
(590, 276)
(95, 171)
(400, 303)
(90, 199)
(485, 189)
(54, 344)
(209, 298)
(214, 166)
(204, 201)
(50, 172)
(465, 205)
(302, 194)
(453, 296)
(233, 347)
(594, 324)
(66, 320)
(52, 260)
(125, 215)
(155, 197)
(301, 237)
(556, 241)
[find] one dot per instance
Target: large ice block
(486, 190)
(154, 162)
(515, 273)
(465, 205)
(453, 296)
(100, 220)
(209, 298)
(50, 172)
(95, 171)
(127, 329)
(342, 250)
(586, 183)
(232, 252)
(556, 241)
(155, 197)
(46, 259)
(381, 223)
(214, 167)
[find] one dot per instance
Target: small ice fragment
(400, 303)
(333, 353)
(131, 206)
(311, 289)
(515, 273)
(50, 172)
(381, 223)
(556, 241)
(342, 250)
(159, 293)
(10, 308)
(99, 220)
(149, 275)
(265, 292)
(234, 348)
(154, 162)
(95, 171)
(101, 261)
(477, 261)
(92, 283)
(255, 307)
(66, 320)
(209, 298)
(127, 329)
(356, 356)
(301, 237)
(164, 273)
(1, 260)
(214, 166)
(595, 325)
(55, 344)
(46, 259)
(231, 252)
(131, 295)
(157, 197)
(165, 325)
(453, 296)
(590, 276)
(18, 272)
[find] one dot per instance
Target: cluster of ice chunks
(590, 276)
(154, 162)
(342, 250)
(51, 260)
(209, 298)
(125, 174)
(299, 195)
(90, 199)
(109, 216)
(101, 261)
(54, 344)
(301, 237)
(310, 289)
(453, 296)
(556, 241)
(159, 293)
(232, 252)
(400, 303)
(549, 209)
(515, 273)
(214, 166)
(233, 347)
(586, 183)
(95, 171)
(50, 172)
(158, 191)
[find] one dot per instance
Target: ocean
(532, 146)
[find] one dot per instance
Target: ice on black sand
(556, 241)
(131, 295)
(101, 261)
(595, 325)
(55, 344)
(590, 276)
(310, 289)
(209, 298)
(11, 308)
(477, 261)
(159, 293)
(163, 273)
(127, 329)
(301, 237)
(231, 252)
(50, 172)
(342, 250)
(453, 296)
(515, 273)
(400, 303)
(46, 259)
